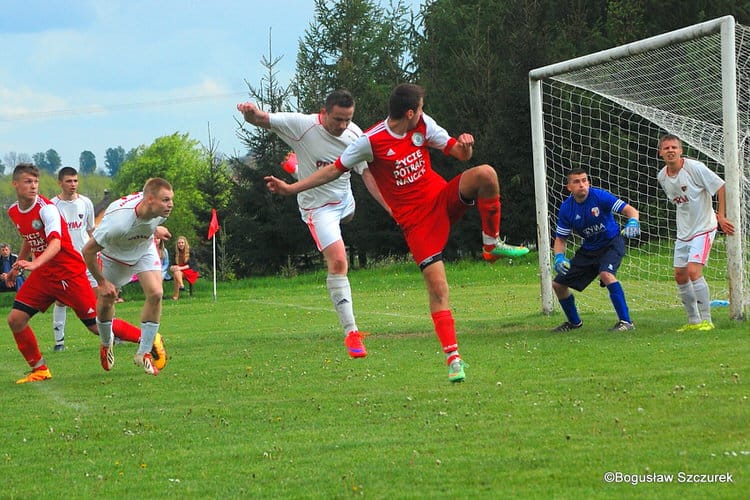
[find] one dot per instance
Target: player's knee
(561, 291)
(607, 278)
(16, 322)
(487, 173)
(154, 296)
(338, 266)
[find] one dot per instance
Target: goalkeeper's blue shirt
(592, 219)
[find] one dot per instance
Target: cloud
(24, 103)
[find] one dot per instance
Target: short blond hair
(156, 184)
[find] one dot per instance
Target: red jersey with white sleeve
(400, 165)
(39, 225)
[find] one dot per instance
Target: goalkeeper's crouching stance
(588, 213)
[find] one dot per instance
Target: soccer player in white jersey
(690, 185)
(124, 239)
(78, 212)
(318, 139)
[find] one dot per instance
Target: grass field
(260, 400)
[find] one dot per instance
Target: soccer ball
(158, 353)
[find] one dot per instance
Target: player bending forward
(125, 240)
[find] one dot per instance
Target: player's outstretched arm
(254, 115)
(322, 176)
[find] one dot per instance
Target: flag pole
(213, 228)
(214, 245)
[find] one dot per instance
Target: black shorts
(586, 265)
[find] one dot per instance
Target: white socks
(105, 332)
(703, 298)
(148, 333)
(341, 295)
(59, 314)
(696, 300)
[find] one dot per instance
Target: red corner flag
(214, 225)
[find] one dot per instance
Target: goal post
(606, 111)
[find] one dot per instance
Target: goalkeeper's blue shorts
(586, 265)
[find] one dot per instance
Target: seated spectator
(7, 259)
(183, 268)
(164, 254)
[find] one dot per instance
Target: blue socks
(617, 296)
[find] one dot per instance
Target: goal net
(606, 112)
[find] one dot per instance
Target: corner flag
(214, 225)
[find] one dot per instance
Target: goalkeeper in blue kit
(588, 213)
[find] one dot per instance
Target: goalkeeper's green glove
(562, 265)
(632, 229)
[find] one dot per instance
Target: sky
(80, 75)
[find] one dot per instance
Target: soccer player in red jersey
(56, 273)
(422, 202)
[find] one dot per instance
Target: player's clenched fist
(277, 185)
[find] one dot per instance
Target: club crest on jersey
(417, 138)
(37, 224)
(595, 211)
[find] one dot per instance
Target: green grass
(260, 400)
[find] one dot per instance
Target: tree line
(473, 58)
(49, 161)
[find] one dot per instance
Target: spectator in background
(183, 268)
(7, 259)
(164, 256)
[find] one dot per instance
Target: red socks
(489, 212)
(27, 344)
(446, 330)
(125, 331)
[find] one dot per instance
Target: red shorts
(428, 236)
(39, 292)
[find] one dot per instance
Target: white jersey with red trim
(124, 236)
(315, 148)
(40, 224)
(79, 215)
(692, 191)
(400, 164)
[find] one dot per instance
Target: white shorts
(120, 274)
(695, 250)
(324, 222)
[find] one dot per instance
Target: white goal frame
(733, 170)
